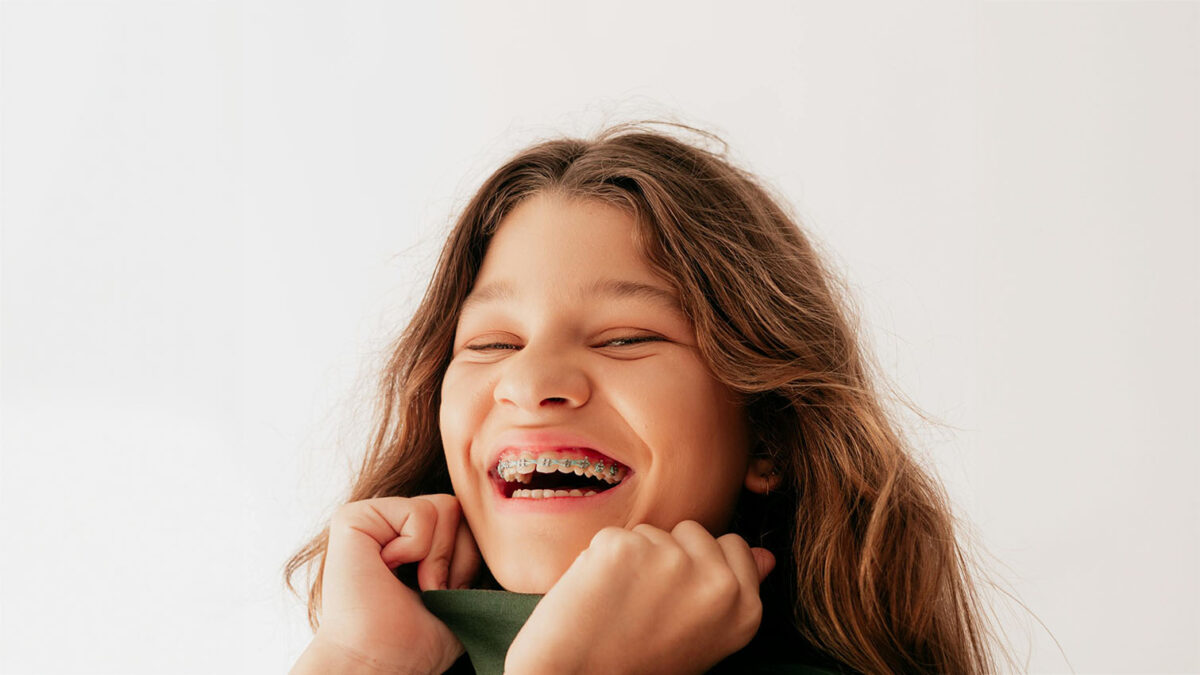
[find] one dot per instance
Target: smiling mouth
(568, 472)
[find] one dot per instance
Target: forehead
(571, 249)
(614, 289)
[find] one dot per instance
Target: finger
(654, 534)
(465, 563)
(412, 537)
(698, 542)
(742, 561)
(433, 573)
(724, 578)
(364, 532)
(392, 527)
(765, 560)
(425, 535)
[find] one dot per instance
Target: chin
(532, 569)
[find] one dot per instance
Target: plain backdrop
(217, 214)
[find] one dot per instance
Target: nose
(535, 379)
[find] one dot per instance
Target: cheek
(702, 493)
(464, 405)
(678, 402)
(465, 401)
(695, 434)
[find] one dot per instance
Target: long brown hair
(870, 570)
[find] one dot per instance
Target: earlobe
(762, 476)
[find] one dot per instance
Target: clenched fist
(644, 600)
(370, 621)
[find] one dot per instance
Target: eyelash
(634, 340)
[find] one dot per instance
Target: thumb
(764, 560)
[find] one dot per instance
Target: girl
(631, 428)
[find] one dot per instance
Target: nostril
(554, 399)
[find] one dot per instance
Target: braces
(550, 461)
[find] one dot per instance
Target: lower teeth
(543, 494)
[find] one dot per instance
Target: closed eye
(615, 342)
(490, 346)
(627, 341)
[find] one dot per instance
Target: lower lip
(552, 504)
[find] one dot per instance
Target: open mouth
(565, 472)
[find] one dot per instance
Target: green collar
(487, 622)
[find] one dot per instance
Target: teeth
(543, 494)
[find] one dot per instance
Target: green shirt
(487, 622)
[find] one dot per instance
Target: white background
(215, 216)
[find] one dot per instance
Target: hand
(371, 616)
(642, 601)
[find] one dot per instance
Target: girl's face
(576, 398)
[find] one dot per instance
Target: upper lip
(543, 440)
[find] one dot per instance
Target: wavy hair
(870, 572)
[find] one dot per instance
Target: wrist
(324, 655)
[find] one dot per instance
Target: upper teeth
(520, 468)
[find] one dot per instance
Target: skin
(646, 560)
(550, 363)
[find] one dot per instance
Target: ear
(762, 476)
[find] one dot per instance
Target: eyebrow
(612, 288)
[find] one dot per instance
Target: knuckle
(616, 545)
(349, 513)
(341, 515)
(422, 510)
(643, 528)
(608, 537)
(443, 502)
(685, 526)
(732, 539)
